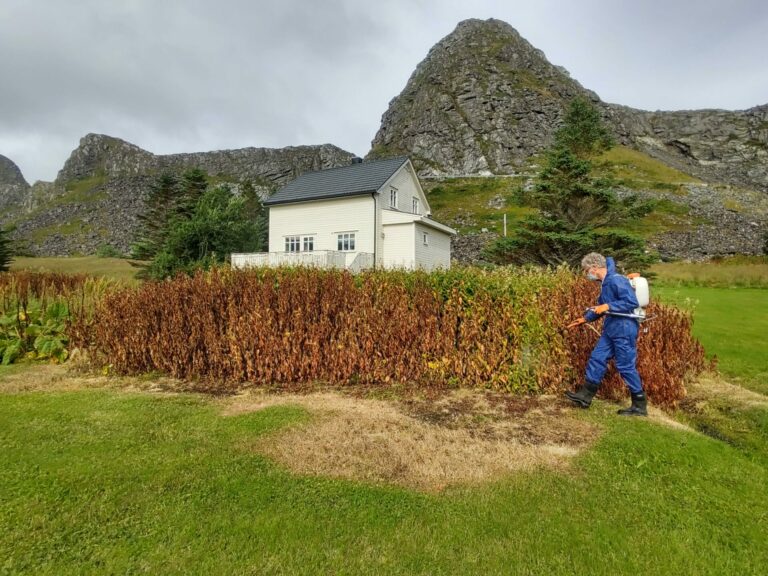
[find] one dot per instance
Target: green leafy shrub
(43, 314)
(34, 332)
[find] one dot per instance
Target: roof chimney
(357, 160)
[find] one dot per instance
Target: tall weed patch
(463, 327)
(43, 315)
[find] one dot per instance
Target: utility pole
(505, 225)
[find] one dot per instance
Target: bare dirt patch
(460, 438)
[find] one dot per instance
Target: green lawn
(731, 323)
(104, 482)
(108, 481)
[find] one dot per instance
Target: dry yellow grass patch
(712, 385)
(69, 378)
(462, 438)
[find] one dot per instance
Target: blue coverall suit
(619, 337)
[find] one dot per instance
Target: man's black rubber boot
(583, 396)
(639, 406)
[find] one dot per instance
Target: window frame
(346, 242)
(393, 197)
(293, 243)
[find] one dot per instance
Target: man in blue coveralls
(619, 337)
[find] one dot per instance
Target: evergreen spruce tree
(159, 207)
(5, 251)
(578, 210)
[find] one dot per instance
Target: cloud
(181, 76)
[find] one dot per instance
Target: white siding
(437, 254)
(324, 219)
(398, 246)
(407, 189)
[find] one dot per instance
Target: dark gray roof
(352, 180)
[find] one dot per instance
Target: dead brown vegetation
(500, 330)
(460, 438)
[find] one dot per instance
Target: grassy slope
(108, 482)
(463, 202)
(116, 268)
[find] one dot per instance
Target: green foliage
(579, 211)
(107, 251)
(190, 224)
(206, 232)
(583, 131)
(5, 251)
(160, 207)
(34, 331)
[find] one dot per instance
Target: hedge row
(498, 329)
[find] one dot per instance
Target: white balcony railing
(315, 259)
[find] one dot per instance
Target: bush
(498, 329)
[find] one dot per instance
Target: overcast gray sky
(197, 75)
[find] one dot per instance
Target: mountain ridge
(484, 101)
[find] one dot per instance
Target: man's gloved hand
(602, 309)
(578, 322)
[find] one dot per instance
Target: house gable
(408, 187)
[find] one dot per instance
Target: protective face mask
(592, 277)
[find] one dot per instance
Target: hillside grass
(115, 268)
(104, 481)
(639, 170)
(462, 203)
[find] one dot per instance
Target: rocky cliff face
(98, 154)
(13, 187)
(482, 101)
(99, 193)
(715, 145)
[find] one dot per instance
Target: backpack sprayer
(643, 295)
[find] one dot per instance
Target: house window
(346, 241)
(415, 205)
(309, 244)
(393, 197)
(292, 243)
(425, 238)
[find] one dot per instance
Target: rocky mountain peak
(13, 186)
(482, 101)
(101, 154)
(10, 173)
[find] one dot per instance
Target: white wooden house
(358, 216)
